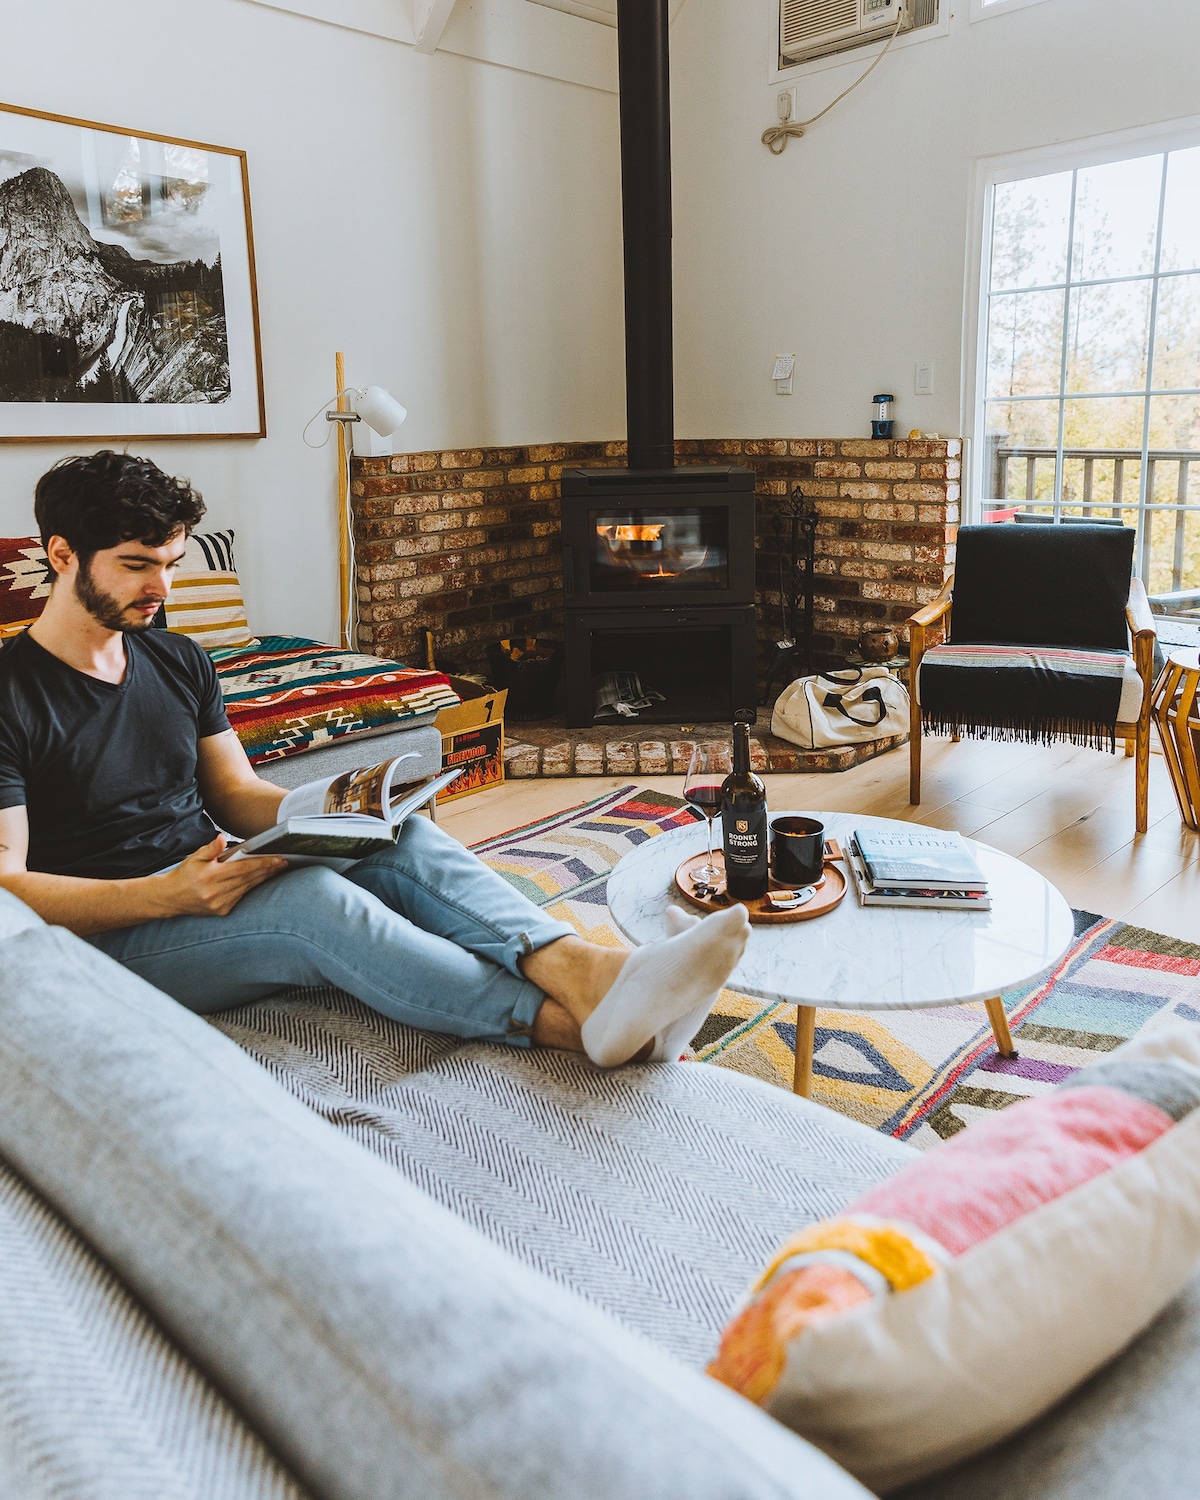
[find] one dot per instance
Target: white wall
(852, 247)
(453, 226)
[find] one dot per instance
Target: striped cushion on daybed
(290, 694)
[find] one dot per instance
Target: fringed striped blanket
(290, 694)
(1035, 693)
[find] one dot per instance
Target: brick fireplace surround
(466, 543)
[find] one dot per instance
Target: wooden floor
(1067, 812)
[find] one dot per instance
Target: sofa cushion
(95, 1401)
(15, 916)
(654, 1191)
(382, 1347)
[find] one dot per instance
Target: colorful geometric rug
(917, 1075)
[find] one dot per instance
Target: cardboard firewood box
(473, 738)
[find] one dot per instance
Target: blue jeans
(423, 932)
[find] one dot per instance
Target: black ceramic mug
(797, 850)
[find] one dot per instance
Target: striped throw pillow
(209, 551)
(209, 607)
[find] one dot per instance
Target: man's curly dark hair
(105, 499)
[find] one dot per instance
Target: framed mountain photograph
(128, 306)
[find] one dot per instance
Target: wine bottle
(744, 823)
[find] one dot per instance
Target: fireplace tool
(794, 659)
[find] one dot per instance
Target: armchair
(1051, 639)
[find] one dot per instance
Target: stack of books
(925, 867)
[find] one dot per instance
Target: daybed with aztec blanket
(1046, 636)
(289, 697)
(303, 1251)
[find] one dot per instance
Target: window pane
(1030, 220)
(1181, 219)
(1102, 486)
(1025, 344)
(1020, 439)
(1105, 422)
(1108, 336)
(1177, 335)
(1116, 219)
(1175, 422)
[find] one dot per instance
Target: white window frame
(988, 173)
(984, 10)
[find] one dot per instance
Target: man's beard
(103, 608)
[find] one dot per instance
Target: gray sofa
(303, 1251)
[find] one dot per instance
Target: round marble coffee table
(869, 958)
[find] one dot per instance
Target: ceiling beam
(429, 22)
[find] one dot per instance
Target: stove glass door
(651, 551)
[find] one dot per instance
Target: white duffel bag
(841, 708)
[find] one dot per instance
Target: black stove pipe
(645, 79)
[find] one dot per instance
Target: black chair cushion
(1043, 585)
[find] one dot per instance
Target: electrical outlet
(923, 378)
(785, 104)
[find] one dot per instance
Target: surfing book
(922, 859)
(344, 818)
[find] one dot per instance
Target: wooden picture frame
(128, 300)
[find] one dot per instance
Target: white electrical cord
(776, 137)
(320, 412)
(350, 623)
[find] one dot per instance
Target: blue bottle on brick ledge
(744, 823)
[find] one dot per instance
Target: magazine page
(367, 790)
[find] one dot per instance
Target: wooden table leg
(806, 1026)
(999, 1020)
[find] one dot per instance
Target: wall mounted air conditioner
(819, 28)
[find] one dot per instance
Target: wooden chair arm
(932, 612)
(1137, 611)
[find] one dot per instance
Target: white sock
(673, 1041)
(662, 984)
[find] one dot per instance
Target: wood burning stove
(658, 574)
(658, 561)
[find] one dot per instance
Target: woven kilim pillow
(25, 580)
(965, 1295)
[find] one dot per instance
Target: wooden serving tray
(830, 890)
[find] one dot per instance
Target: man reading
(120, 778)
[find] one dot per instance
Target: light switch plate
(923, 378)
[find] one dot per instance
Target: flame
(632, 533)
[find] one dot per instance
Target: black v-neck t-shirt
(107, 771)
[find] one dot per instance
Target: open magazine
(344, 818)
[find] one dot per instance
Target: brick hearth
(466, 543)
(660, 750)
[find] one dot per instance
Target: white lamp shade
(379, 410)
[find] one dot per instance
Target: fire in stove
(646, 550)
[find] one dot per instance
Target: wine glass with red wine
(707, 770)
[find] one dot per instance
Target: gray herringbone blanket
(656, 1192)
